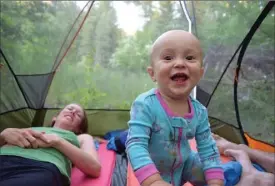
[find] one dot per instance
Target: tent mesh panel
(11, 96)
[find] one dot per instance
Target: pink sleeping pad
(107, 159)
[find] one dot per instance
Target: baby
(164, 119)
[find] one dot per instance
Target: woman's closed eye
(78, 112)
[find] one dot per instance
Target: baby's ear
(151, 73)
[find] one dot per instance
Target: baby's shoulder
(147, 97)
(198, 106)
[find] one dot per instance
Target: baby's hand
(160, 183)
(215, 182)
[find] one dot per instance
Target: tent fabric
(259, 145)
(243, 48)
(54, 53)
(33, 85)
(81, 57)
(11, 95)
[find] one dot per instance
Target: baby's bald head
(177, 38)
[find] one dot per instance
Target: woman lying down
(43, 156)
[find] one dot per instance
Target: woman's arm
(25, 138)
(85, 158)
(2, 140)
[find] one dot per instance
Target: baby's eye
(168, 57)
(189, 57)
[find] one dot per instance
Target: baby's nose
(180, 63)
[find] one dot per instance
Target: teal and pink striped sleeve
(137, 141)
(207, 148)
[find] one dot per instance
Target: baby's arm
(208, 151)
(140, 125)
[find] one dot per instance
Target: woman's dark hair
(84, 123)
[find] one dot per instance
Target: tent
(56, 52)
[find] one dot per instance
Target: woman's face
(70, 118)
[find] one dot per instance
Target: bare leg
(250, 176)
(265, 159)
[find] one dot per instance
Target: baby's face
(176, 63)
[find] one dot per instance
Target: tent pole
(183, 5)
(39, 118)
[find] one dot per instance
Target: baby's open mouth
(179, 77)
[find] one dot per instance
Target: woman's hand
(25, 138)
(49, 140)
